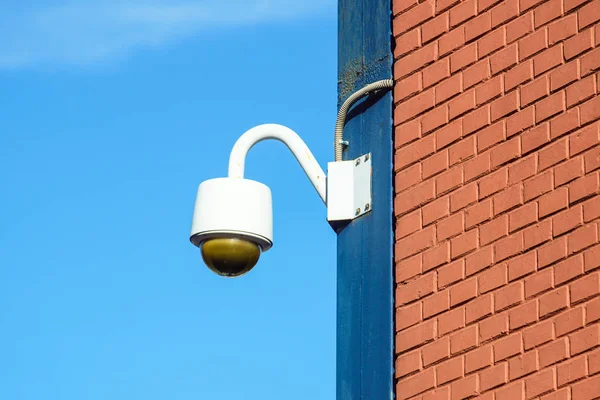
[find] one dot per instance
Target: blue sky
(112, 114)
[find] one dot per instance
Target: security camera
(232, 224)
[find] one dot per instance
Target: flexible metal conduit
(341, 117)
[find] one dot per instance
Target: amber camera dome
(230, 257)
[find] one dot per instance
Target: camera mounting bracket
(349, 188)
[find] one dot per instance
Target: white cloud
(102, 31)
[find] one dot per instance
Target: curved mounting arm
(307, 161)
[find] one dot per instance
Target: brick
(566, 172)
(533, 44)
(436, 256)
(505, 59)
(436, 72)
(562, 29)
(522, 169)
(408, 87)
(538, 334)
(493, 230)
(415, 290)
(590, 62)
(539, 282)
(571, 4)
(564, 123)
(416, 384)
(493, 183)
(522, 266)
(505, 152)
(579, 44)
(522, 365)
(463, 57)
(402, 5)
(563, 394)
(553, 352)
(554, 201)
(594, 362)
(549, 106)
(489, 90)
(569, 321)
(552, 252)
(452, 40)
(414, 106)
(408, 269)
(523, 315)
(547, 12)
(408, 224)
(451, 273)
(476, 120)
(442, 5)
(463, 340)
(408, 363)
(486, 4)
(592, 313)
(491, 42)
(540, 383)
(520, 121)
(462, 151)
(435, 27)
(407, 178)
(476, 73)
(584, 139)
(451, 321)
(592, 258)
(408, 42)
(567, 220)
(414, 152)
(490, 136)
(585, 339)
(507, 347)
(449, 180)
(504, 12)
(414, 61)
(413, 17)
(479, 260)
(478, 359)
(493, 377)
(448, 134)
(522, 73)
(438, 394)
(436, 210)
(463, 244)
(406, 133)
(436, 351)
(478, 309)
(568, 269)
(463, 292)
(537, 234)
(527, 4)
(554, 301)
(571, 371)
(415, 336)
(463, 197)
(552, 154)
(414, 197)
(436, 304)
(534, 91)
(478, 26)
(415, 243)
(523, 216)
(462, 12)
(535, 137)
(435, 164)
(508, 247)
(449, 371)
(493, 327)
(547, 60)
(583, 187)
(464, 388)
(461, 104)
(408, 316)
(564, 75)
(538, 185)
(589, 14)
(583, 237)
(519, 27)
(581, 91)
(515, 391)
(435, 118)
(592, 160)
(585, 288)
(504, 106)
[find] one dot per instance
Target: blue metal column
(365, 322)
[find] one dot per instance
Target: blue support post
(365, 324)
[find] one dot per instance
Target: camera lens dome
(230, 257)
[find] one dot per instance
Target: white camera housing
(233, 208)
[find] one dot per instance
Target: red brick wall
(497, 209)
